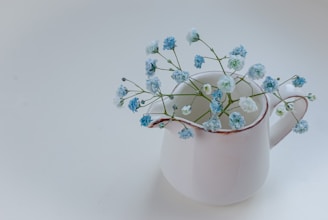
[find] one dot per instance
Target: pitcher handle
(286, 123)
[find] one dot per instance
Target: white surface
(67, 153)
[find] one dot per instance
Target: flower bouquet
(221, 103)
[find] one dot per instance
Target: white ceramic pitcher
(228, 166)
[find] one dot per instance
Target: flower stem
(169, 61)
(216, 56)
(201, 116)
(176, 57)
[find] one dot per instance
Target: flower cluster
(221, 102)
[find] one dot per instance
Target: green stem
(287, 80)
(216, 56)
(169, 61)
(135, 84)
(176, 57)
(201, 116)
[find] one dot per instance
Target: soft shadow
(166, 203)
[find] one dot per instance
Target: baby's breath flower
(180, 76)
(299, 81)
(257, 71)
(153, 84)
(169, 43)
(236, 62)
(270, 84)
(186, 133)
(150, 67)
(198, 61)
(217, 94)
(214, 124)
(301, 127)
(121, 91)
(247, 104)
(236, 120)
(152, 47)
(134, 104)
(192, 36)
(280, 110)
(239, 51)
(186, 110)
(161, 125)
(215, 107)
(226, 84)
(207, 88)
(145, 120)
(311, 97)
(289, 106)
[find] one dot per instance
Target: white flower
(207, 88)
(186, 110)
(236, 62)
(227, 84)
(247, 104)
(280, 111)
(192, 36)
(152, 47)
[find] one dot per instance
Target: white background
(66, 152)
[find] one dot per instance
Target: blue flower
(270, 84)
(121, 91)
(239, 51)
(226, 84)
(152, 47)
(186, 133)
(299, 81)
(236, 120)
(150, 67)
(257, 71)
(161, 125)
(215, 107)
(145, 120)
(214, 124)
(169, 43)
(199, 60)
(236, 62)
(301, 127)
(217, 94)
(193, 36)
(180, 76)
(134, 104)
(153, 84)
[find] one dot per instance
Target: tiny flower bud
(186, 110)
(207, 88)
(280, 111)
(311, 97)
(289, 106)
(123, 79)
